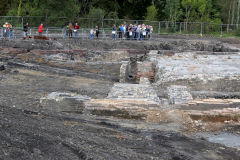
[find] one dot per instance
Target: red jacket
(76, 26)
(40, 29)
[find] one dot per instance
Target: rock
(64, 102)
(2, 67)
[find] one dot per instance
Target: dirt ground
(30, 131)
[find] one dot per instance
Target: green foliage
(19, 8)
(173, 10)
(97, 13)
(216, 11)
(151, 13)
(237, 32)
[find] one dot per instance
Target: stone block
(124, 108)
(133, 91)
(178, 94)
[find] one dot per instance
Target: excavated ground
(34, 69)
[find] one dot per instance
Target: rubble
(64, 102)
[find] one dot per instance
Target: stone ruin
(179, 81)
(172, 74)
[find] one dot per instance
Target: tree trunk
(238, 12)
(229, 15)
(19, 8)
(233, 11)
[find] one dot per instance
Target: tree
(151, 13)
(4, 7)
(188, 6)
(97, 13)
(173, 10)
(238, 12)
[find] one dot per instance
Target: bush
(237, 32)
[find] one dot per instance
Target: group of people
(25, 30)
(124, 31)
(72, 29)
(132, 32)
(7, 30)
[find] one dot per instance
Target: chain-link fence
(57, 26)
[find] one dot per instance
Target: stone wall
(198, 72)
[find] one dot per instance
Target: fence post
(47, 32)
(102, 23)
(31, 32)
(2, 33)
(22, 22)
(201, 29)
(82, 34)
(159, 27)
(221, 30)
(180, 28)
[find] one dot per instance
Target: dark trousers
(120, 35)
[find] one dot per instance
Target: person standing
(138, 32)
(10, 30)
(143, 32)
(40, 29)
(76, 29)
(25, 30)
(130, 32)
(91, 34)
(114, 32)
(70, 30)
(119, 32)
(5, 29)
(122, 31)
(150, 34)
(97, 31)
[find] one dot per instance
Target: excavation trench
(130, 88)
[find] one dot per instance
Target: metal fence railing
(55, 26)
(84, 33)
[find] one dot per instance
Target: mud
(140, 119)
